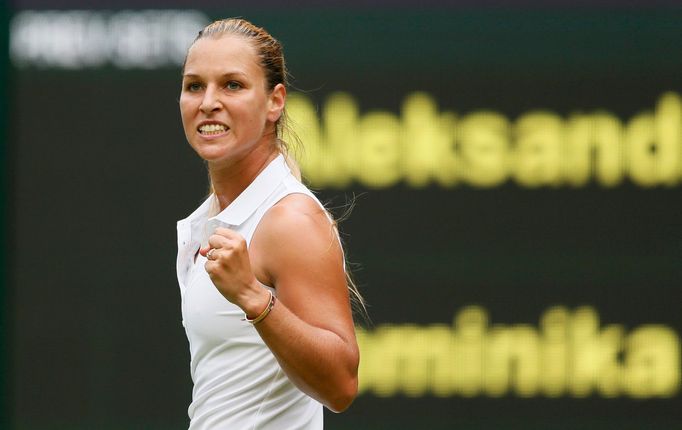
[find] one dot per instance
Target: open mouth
(212, 129)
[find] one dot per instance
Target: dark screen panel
(103, 172)
(4, 186)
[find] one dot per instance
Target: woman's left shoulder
(297, 238)
(297, 210)
(297, 223)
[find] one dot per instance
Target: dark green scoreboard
(516, 174)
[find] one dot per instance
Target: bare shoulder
(299, 204)
(297, 216)
(297, 238)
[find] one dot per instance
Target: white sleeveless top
(238, 383)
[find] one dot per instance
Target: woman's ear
(276, 102)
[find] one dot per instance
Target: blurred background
(515, 168)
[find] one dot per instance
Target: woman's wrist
(264, 313)
(255, 302)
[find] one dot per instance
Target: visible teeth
(212, 129)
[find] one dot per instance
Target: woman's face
(225, 107)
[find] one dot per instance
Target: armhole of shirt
(310, 195)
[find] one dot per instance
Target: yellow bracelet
(265, 312)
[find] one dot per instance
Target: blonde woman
(265, 301)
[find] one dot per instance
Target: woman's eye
(233, 85)
(193, 86)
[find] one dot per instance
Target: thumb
(204, 250)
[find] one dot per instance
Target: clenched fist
(229, 267)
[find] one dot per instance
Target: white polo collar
(250, 199)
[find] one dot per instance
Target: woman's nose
(210, 102)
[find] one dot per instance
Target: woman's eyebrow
(224, 75)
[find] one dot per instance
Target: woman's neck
(229, 181)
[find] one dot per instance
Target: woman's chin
(211, 152)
